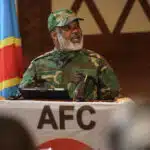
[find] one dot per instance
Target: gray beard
(68, 45)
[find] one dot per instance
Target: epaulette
(93, 54)
(42, 56)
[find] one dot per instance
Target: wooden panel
(33, 23)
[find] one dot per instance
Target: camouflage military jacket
(83, 73)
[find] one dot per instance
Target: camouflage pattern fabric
(61, 18)
(85, 74)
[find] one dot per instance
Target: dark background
(128, 53)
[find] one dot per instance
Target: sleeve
(29, 77)
(108, 85)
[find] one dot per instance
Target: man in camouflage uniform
(85, 74)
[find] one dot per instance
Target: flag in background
(10, 50)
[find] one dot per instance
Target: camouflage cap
(61, 18)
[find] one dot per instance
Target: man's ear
(54, 35)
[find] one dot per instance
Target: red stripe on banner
(10, 62)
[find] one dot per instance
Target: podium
(56, 121)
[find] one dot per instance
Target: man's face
(70, 36)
